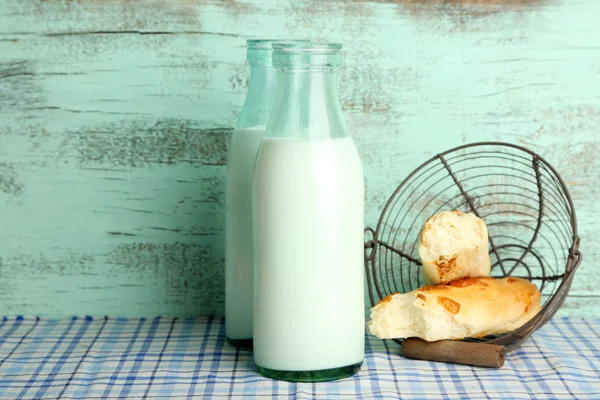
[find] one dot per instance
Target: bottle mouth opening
(307, 56)
(306, 47)
(267, 44)
(260, 51)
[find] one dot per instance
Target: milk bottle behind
(238, 216)
(308, 211)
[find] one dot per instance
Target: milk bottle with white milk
(308, 221)
(238, 216)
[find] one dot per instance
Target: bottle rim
(307, 47)
(312, 57)
(268, 44)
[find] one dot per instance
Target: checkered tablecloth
(114, 358)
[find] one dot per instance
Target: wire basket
(525, 204)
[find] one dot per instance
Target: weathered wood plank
(115, 118)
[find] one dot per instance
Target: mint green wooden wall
(115, 118)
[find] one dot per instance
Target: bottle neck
(259, 100)
(307, 106)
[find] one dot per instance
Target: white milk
(308, 275)
(238, 228)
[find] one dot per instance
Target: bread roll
(470, 307)
(454, 245)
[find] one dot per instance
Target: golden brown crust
(450, 305)
(464, 282)
(387, 299)
(429, 288)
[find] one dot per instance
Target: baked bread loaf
(454, 245)
(470, 307)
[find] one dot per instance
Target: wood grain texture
(115, 118)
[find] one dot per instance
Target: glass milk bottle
(308, 211)
(238, 220)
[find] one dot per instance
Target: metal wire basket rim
(476, 144)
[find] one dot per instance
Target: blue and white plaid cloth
(114, 358)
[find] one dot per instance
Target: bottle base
(321, 375)
(244, 344)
